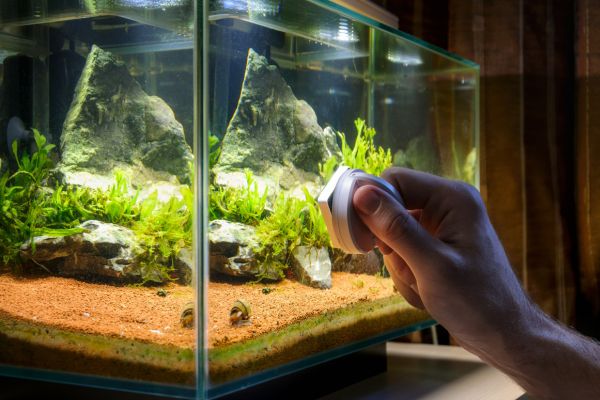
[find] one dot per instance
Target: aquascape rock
(232, 251)
(103, 251)
(113, 125)
(273, 134)
(312, 266)
(370, 263)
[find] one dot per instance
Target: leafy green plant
(315, 233)
(29, 208)
(120, 205)
(246, 205)
(363, 155)
(294, 222)
(20, 199)
(164, 229)
(214, 150)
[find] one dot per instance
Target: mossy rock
(113, 125)
(273, 134)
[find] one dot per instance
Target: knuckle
(397, 226)
(393, 174)
(469, 194)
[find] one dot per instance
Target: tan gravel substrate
(138, 317)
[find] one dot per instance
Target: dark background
(540, 131)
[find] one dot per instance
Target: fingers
(383, 248)
(416, 187)
(409, 294)
(398, 268)
(394, 226)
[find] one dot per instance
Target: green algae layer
(31, 344)
(307, 337)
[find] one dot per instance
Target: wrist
(549, 360)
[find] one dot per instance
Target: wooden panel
(548, 149)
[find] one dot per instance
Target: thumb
(391, 223)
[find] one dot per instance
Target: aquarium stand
(321, 379)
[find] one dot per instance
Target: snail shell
(239, 313)
(187, 316)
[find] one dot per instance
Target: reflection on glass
(345, 32)
(404, 59)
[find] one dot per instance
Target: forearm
(549, 360)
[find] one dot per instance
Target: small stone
(161, 293)
(370, 263)
(312, 266)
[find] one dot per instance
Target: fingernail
(367, 201)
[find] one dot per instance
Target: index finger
(416, 187)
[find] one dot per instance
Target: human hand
(444, 255)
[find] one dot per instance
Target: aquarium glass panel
(295, 89)
(97, 268)
(159, 163)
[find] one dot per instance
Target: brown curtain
(526, 52)
(588, 161)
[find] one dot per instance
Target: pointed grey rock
(114, 125)
(273, 134)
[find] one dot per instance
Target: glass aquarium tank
(160, 161)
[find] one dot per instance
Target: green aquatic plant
(22, 200)
(246, 204)
(294, 222)
(30, 208)
(214, 150)
(363, 155)
(164, 229)
(119, 206)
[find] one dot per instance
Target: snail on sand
(187, 316)
(240, 313)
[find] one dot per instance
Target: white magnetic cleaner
(345, 227)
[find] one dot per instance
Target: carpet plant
(30, 208)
